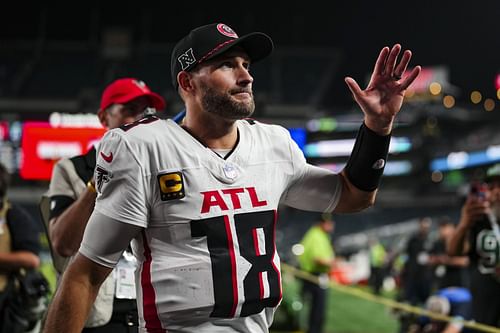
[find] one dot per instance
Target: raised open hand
(383, 97)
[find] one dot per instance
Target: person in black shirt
(416, 275)
(477, 236)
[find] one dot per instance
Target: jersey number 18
(255, 240)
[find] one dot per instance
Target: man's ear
(101, 114)
(185, 81)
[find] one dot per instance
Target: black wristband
(367, 162)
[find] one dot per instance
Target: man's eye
(226, 64)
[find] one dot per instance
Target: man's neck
(211, 130)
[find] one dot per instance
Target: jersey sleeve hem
(335, 199)
(142, 224)
(88, 253)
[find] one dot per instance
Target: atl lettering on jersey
(229, 199)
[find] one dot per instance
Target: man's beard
(223, 105)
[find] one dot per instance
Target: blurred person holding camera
(478, 236)
(22, 288)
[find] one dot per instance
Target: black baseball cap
(209, 41)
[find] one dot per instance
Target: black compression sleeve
(368, 158)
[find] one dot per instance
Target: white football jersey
(207, 255)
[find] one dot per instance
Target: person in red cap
(71, 199)
(199, 200)
(124, 100)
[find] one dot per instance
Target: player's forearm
(362, 173)
(69, 309)
(352, 198)
(66, 230)
(74, 298)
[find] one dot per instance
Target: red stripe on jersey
(230, 245)
(153, 323)
(274, 242)
(261, 284)
(257, 252)
(256, 242)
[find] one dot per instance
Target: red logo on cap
(226, 31)
(141, 85)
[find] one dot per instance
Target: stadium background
(56, 59)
